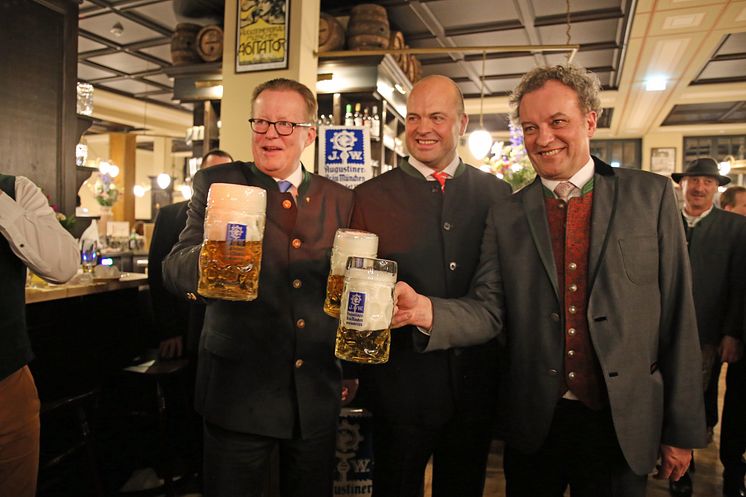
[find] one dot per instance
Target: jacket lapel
(602, 218)
(535, 210)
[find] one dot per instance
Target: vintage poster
(344, 154)
(262, 37)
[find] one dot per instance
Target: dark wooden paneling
(37, 94)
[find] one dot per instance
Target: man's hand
(349, 389)
(731, 349)
(674, 462)
(411, 308)
(170, 348)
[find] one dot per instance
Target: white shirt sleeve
(35, 235)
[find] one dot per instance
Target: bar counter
(57, 292)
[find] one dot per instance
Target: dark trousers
(581, 451)
(236, 464)
(733, 429)
(459, 450)
(711, 394)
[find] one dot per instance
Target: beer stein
(231, 254)
(366, 309)
(347, 243)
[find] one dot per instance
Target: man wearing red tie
(429, 215)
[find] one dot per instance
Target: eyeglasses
(283, 128)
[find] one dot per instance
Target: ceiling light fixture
(480, 141)
(656, 83)
(117, 29)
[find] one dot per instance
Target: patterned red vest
(570, 227)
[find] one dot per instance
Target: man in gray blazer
(584, 274)
(716, 241)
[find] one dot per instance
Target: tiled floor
(707, 478)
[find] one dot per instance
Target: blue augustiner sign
(344, 154)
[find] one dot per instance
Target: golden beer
(334, 284)
(231, 254)
(347, 243)
(230, 271)
(367, 306)
(368, 347)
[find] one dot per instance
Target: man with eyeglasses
(267, 377)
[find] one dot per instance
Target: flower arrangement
(511, 162)
(67, 222)
(106, 190)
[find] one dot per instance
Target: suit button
(300, 323)
(571, 375)
(571, 332)
(286, 204)
(572, 309)
(452, 266)
(570, 353)
(561, 205)
(299, 363)
(553, 372)
(573, 287)
(572, 266)
(447, 226)
(555, 317)
(296, 243)
(297, 283)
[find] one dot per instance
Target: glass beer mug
(347, 243)
(366, 309)
(231, 255)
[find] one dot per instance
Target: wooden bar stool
(166, 377)
(69, 411)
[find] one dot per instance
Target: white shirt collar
(579, 179)
(296, 178)
(427, 172)
(692, 221)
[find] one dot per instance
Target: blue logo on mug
(235, 233)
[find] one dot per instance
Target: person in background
(31, 237)
(716, 241)
(177, 322)
(585, 275)
(734, 200)
(429, 216)
(267, 377)
(733, 444)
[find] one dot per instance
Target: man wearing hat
(716, 241)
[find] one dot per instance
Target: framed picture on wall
(262, 35)
(663, 160)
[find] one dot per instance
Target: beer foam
(228, 196)
(347, 243)
(374, 291)
(216, 225)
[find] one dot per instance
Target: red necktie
(441, 178)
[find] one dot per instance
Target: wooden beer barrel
(404, 61)
(331, 33)
(183, 50)
(414, 70)
(210, 43)
(396, 41)
(368, 27)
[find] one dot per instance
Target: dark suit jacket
(267, 367)
(717, 250)
(173, 316)
(435, 240)
(640, 314)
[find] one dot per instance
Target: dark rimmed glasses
(283, 128)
